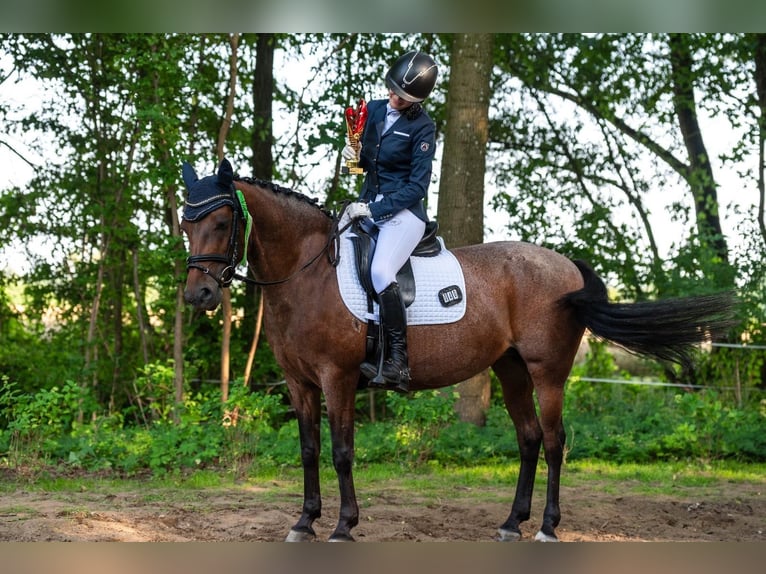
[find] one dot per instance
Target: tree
(698, 171)
(97, 197)
(94, 224)
(163, 115)
(630, 101)
(262, 141)
(461, 190)
(759, 56)
(220, 145)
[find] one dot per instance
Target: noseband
(239, 214)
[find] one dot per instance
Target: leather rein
(240, 214)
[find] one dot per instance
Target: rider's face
(396, 102)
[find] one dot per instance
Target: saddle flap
(406, 279)
(364, 247)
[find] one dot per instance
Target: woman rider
(397, 150)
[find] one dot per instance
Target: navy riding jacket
(398, 164)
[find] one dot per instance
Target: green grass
(496, 482)
(20, 511)
(425, 484)
(664, 479)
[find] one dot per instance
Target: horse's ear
(189, 175)
(225, 173)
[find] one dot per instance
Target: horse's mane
(287, 192)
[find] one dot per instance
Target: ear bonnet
(209, 193)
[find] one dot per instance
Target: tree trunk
(226, 300)
(760, 84)
(263, 97)
(700, 172)
(461, 191)
(117, 280)
(179, 267)
(179, 271)
(262, 162)
(141, 313)
(254, 342)
(759, 55)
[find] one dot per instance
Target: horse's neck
(286, 231)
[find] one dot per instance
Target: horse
(527, 309)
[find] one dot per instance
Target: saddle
(364, 241)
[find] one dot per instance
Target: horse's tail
(665, 329)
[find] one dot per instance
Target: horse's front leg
(340, 412)
(306, 401)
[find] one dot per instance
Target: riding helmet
(413, 76)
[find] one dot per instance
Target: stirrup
(373, 372)
(369, 371)
(401, 384)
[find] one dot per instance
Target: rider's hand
(358, 210)
(348, 153)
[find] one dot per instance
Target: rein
(229, 272)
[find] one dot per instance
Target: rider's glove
(348, 153)
(358, 210)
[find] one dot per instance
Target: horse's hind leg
(549, 387)
(519, 401)
(305, 400)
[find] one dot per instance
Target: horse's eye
(221, 226)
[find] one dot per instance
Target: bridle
(230, 260)
(240, 214)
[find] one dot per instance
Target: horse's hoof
(341, 538)
(504, 535)
(300, 536)
(543, 537)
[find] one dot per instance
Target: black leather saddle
(364, 241)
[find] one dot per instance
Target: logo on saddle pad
(450, 296)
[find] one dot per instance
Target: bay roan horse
(527, 309)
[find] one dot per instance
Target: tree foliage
(598, 125)
(586, 131)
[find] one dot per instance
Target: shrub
(622, 423)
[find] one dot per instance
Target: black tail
(666, 329)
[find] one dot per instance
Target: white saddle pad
(440, 295)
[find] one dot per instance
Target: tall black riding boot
(394, 373)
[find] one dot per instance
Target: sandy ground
(730, 512)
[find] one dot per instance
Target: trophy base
(345, 170)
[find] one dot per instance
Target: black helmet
(412, 77)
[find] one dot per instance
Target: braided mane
(286, 192)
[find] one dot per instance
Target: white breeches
(397, 239)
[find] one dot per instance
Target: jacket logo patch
(424, 146)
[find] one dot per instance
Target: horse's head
(214, 220)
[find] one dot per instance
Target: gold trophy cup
(355, 120)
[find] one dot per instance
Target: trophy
(355, 120)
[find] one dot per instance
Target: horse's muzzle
(203, 297)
